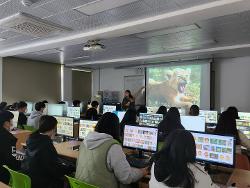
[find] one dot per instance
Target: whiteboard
(134, 84)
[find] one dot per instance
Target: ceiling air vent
(30, 25)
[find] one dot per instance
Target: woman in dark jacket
(42, 162)
(128, 119)
(8, 146)
(171, 122)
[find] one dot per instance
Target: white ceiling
(135, 32)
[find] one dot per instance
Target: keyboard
(137, 162)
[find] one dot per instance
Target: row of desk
(225, 178)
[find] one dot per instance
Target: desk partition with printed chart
(74, 112)
(15, 119)
(211, 117)
(139, 137)
(244, 127)
(86, 126)
(193, 123)
(65, 126)
(151, 120)
(244, 115)
(215, 149)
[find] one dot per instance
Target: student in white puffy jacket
(174, 165)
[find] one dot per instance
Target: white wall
(232, 85)
(111, 79)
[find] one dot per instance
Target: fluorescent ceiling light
(81, 70)
(98, 6)
(2, 39)
(168, 31)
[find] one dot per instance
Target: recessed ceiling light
(98, 6)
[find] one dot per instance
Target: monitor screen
(151, 120)
(29, 107)
(55, 109)
(85, 127)
(214, 148)
(15, 119)
(142, 138)
(244, 127)
(65, 126)
(210, 116)
(109, 108)
(120, 115)
(74, 112)
(244, 115)
(193, 123)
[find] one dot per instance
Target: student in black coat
(22, 108)
(42, 162)
(92, 113)
(7, 146)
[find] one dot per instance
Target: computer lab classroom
(124, 93)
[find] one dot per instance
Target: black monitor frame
(217, 163)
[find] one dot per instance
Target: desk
(65, 149)
(240, 177)
(22, 136)
(2, 185)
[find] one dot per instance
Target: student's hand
(145, 171)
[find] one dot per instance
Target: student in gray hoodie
(101, 160)
(35, 116)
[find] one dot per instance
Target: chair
(242, 162)
(18, 180)
(74, 183)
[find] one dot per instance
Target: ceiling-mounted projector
(93, 45)
(27, 2)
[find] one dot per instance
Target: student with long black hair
(129, 118)
(42, 162)
(101, 160)
(171, 122)
(162, 110)
(174, 165)
(227, 126)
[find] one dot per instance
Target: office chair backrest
(242, 162)
(74, 183)
(18, 180)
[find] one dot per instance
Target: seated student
(101, 161)
(141, 109)
(233, 111)
(8, 154)
(42, 163)
(174, 165)
(22, 108)
(129, 118)
(194, 110)
(3, 106)
(76, 103)
(35, 116)
(171, 122)
(45, 101)
(61, 102)
(162, 110)
(227, 126)
(92, 113)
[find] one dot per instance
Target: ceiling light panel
(2, 39)
(98, 6)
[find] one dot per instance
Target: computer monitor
(65, 126)
(151, 120)
(244, 115)
(15, 119)
(215, 149)
(141, 138)
(120, 115)
(74, 112)
(55, 109)
(244, 127)
(211, 117)
(45, 111)
(193, 123)
(29, 108)
(86, 127)
(152, 110)
(109, 108)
